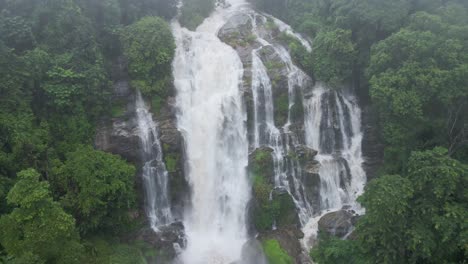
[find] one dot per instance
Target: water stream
(154, 173)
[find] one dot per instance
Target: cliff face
(283, 168)
(119, 135)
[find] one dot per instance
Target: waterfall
(212, 119)
(333, 127)
(154, 173)
(208, 76)
(281, 140)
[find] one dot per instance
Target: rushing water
(212, 120)
(333, 127)
(154, 173)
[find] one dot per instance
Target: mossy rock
(261, 171)
(285, 208)
(297, 109)
(281, 109)
(275, 253)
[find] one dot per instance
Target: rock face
(167, 241)
(288, 238)
(119, 135)
(173, 151)
(339, 223)
(372, 147)
(270, 207)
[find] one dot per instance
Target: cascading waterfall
(281, 140)
(212, 117)
(332, 123)
(333, 127)
(154, 173)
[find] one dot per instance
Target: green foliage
(416, 218)
(100, 251)
(332, 250)
(193, 12)
(417, 86)
(97, 189)
(171, 160)
(333, 56)
(298, 52)
(281, 109)
(149, 47)
(38, 229)
(265, 211)
(420, 217)
(275, 253)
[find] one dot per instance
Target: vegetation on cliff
(60, 200)
(407, 61)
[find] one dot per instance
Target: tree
(38, 229)
(333, 56)
(419, 218)
(149, 47)
(418, 85)
(97, 188)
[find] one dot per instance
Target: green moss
(275, 253)
(281, 109)
(156, 103)
(171, 160)
(262, 169)
(119, 107)
(284, 210)
(297, 109)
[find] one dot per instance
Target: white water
(281, 140)
(333, 127)
(332, 124)
(211, 117)
(154, 173)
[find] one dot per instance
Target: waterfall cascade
(154, 173)
(212, 117)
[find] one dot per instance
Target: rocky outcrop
(339, 223)
(173, 152)
(288, 239)
(166, 242)
(372, 146)
(118, 134)
(310, 177)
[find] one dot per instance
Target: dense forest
(64, 201)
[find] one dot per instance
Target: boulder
(167, 241)
(286, 215)
(338, 223)
(288, 239)
(120, 137)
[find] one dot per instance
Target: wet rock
(287, 214)
(372, 146)
(288, 238)
(252, 253)
(120, 137)
(338, 223)
(166, 241)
